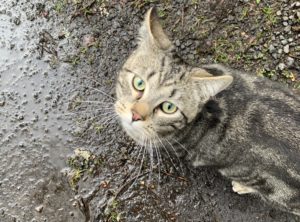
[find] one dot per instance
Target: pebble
(289, 61)
(296, 4)
(17, 21)
(271, 48)
(2, 101)
(39, 208)
(274, 55)
(287, 28)
(284, 42)
(281, 66)
(286, 49)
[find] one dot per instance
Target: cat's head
(156, 96)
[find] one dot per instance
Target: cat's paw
(241, 189)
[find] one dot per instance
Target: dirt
(63, 154)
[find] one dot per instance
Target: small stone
(281, 66)
(39, 208)
(88, 40)
(230, 18)
(278, 13)
(285, 23)
(291, 17)
(286, 49)
(271, 49)
(2, 101)
(296, 28)
(17, 21)
(279, 51)
(274, 55)
(285, 18)
(289, 61)
(284, 42)
(48, 97)
(290, 39)
(296, 4)
(287, 28)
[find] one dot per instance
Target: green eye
(138, 83)
(168, 107)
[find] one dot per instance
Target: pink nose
(136, 116)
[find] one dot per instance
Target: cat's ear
(208, 84)
(152, 33)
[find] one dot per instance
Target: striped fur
(248, 129)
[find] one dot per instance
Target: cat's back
(267, 115)
(269, 107)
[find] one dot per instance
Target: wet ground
(63, 154)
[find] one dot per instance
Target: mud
(65, 158)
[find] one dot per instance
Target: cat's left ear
(209, 85)
(152, 33)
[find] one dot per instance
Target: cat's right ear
(152, 33)
(209, 86)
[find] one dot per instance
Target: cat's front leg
(241, 189)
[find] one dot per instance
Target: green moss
(82, 162)
(112, 212)
(161, 13)
(245, 12)
(288, 75)
(266, 73)
(270, 14)
(297, 85)
(98, 128)
(59, 5)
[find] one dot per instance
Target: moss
(266, 73)
(98, 128)
(112, 212)
(82, 162)
(60, 5)
(288, 75)
(270, 14)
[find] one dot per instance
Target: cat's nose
(136, 116)
(139, 111)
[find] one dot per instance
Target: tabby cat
(246, 126)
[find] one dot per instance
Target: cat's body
(250, 132)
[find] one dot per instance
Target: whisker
(100, 91)
(110, 112)
(92, 101)
(158, 162)
(136, 159)
(163, 146)
(176, 154)
(109, 119)
(140, 168)
(151, 159)
(182, 146)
